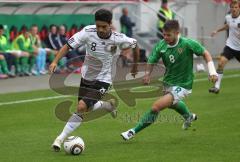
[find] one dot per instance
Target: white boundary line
(33, 100)
(66, 96)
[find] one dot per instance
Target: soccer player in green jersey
(177, 56)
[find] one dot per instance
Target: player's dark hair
(103, 15)
(1, 26)
(52, 25)
(171, 25)
(24, 29)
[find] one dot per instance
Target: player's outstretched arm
(136, 54)
(225, 27)
(211, 68)
(148, 71)
(59, 55)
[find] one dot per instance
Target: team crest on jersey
(102, 90)
(180, 50)
(111, 48)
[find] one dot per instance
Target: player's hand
(146, 79)
(52, 67)
(134, 70)
(213, 78)
(213, 33)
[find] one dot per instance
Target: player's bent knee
(82, 107)
(1, 57)
(26, 54)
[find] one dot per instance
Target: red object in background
(223, 1)
(43, 33)
(73, 30)
(228, 1)
(68, 34)
(13, 33)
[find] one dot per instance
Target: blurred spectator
(44, 32)
(73, 30)
(52, 42)
(12, 56)
(73, 55)
(52, 39)
(62, 35)
(13, 33)
(164, 14)
(23, 43)
(41, 52)
(3, 68)
(126, 23)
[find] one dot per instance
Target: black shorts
(92, 91)
(230, 53)
(9, 58)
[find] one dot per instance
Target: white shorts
(177, 92)
(18, 52)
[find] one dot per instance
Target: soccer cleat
(43, 72)
(57, 145)
(27, 74)
(114, 109)
(214, 90)
(128, 134)
(34, 72)
(188, 122)
(11, 75)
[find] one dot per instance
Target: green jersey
(4, 44)
(178, 60)
(23, 44)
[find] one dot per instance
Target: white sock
(218, 83)
(102, 105)
(72, 124)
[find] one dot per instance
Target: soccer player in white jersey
(101, 46)
(232, 48)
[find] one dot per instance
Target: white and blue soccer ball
(74, 145)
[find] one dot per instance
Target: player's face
(170, 36)
(26, 35)
(62, 30)
(103, 29)
(54, 30)
(235, 9)
(34, 30)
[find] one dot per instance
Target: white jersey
(233, 40)
(99, 52)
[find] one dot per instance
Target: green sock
(4, 66)
(24, 64)
(51, 57)
(61, 63)
(182, 109)
(32, 62)
(17, 65)
(148, 118)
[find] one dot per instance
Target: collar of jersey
(106, 37)
(235, 17)
(169, 46)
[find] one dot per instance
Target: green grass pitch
(27, 130)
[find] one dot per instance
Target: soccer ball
(74, 145)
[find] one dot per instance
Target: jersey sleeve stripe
(69, 46)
